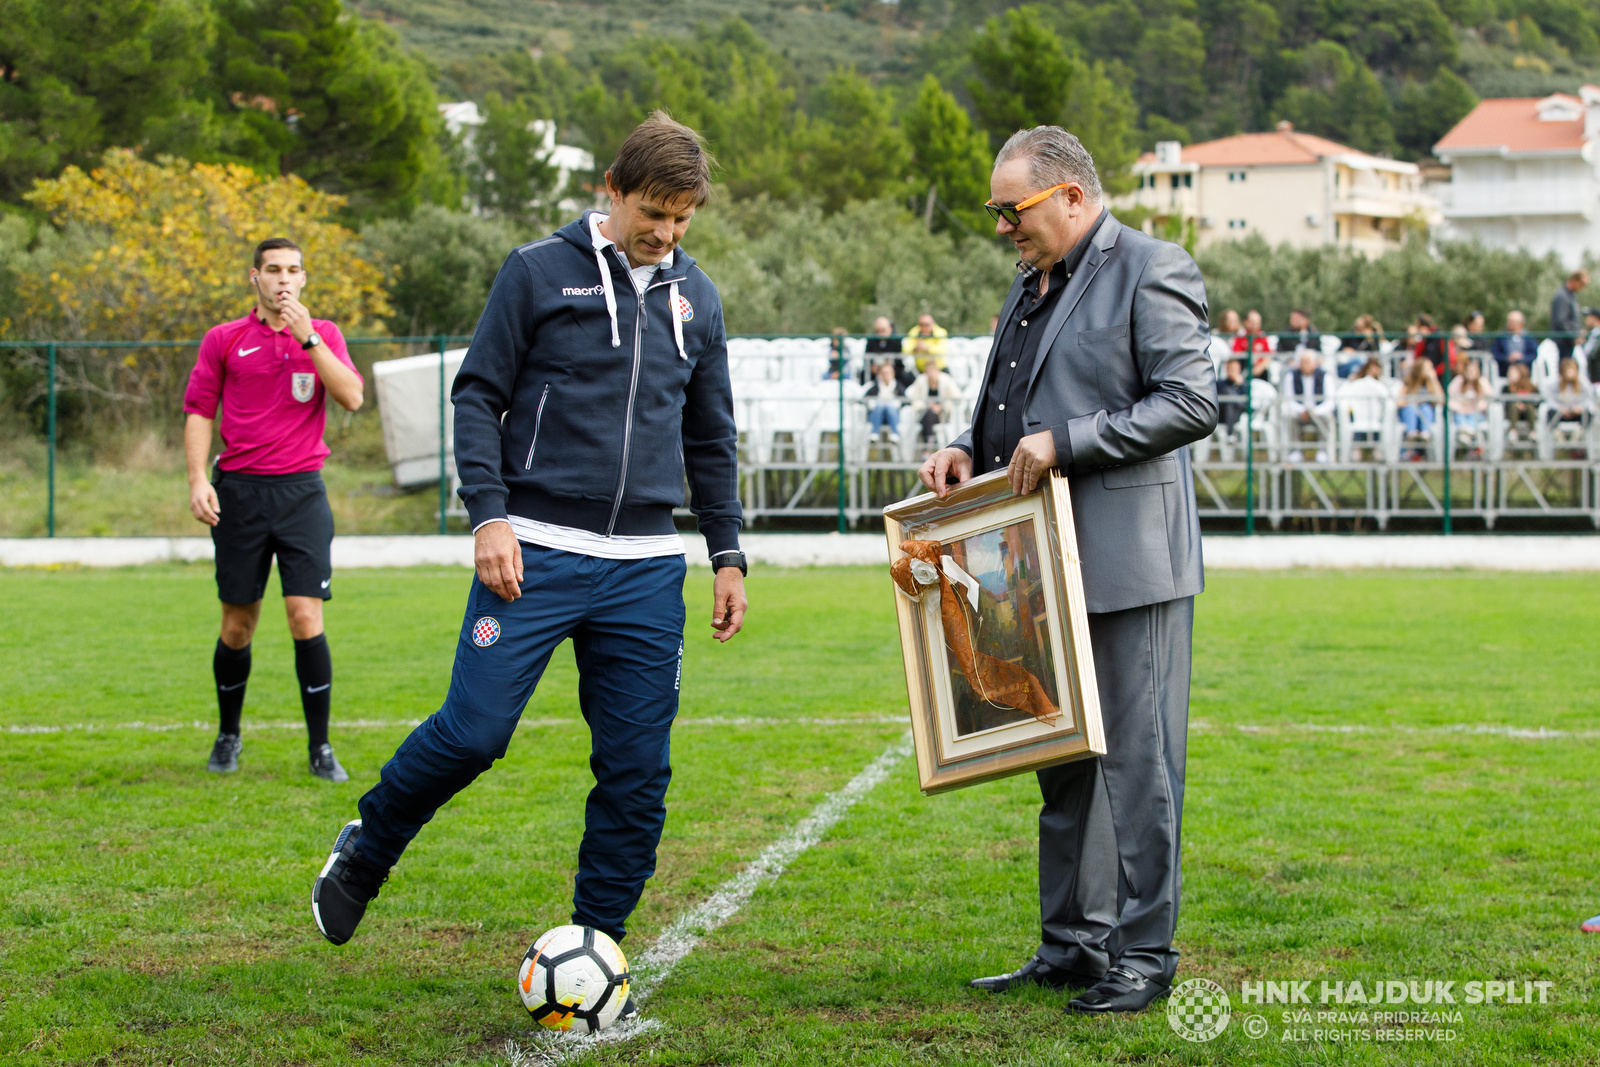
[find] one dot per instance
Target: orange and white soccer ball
(574, 978)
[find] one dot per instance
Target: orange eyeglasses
(1012, 214)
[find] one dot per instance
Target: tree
(1024, 74)
(1426, 112)
(852, 149)
(948, 154)
(1027, 78)
(1337, 96)
(174, 247)
(328, 96)
(508, 174)
(1171, 56)
(79, 75)
(439, 266)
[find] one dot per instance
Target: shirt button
(997, 459)
(1024, 322)
(1002, 407)
(1013, 363)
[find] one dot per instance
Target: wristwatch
(731, 559)
(312, 342)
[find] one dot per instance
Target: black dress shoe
(1035, 972)
(1122, 989)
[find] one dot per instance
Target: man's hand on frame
(1035, 454)
(728, 603)
(945, 468)
(498, 557)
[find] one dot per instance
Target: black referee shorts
(266, 515)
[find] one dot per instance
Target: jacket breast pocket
(1151, 472)
(1100, 337)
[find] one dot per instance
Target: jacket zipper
(538, 417)
(633, 390)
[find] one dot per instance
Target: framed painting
(993, 631)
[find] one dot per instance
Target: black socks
(314, 667)
(232, 669)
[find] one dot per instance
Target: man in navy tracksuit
(598, 376)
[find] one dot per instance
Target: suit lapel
(1093, 259)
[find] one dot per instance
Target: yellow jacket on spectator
(923, 345)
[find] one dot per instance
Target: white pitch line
(656, 963)
(374, 724)
(1524, 733)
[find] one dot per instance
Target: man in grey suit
(1099, 369)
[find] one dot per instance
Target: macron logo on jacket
(593, 290)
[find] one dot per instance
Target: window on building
(1236, 175)
(1174, 181)
(1236, 224)
(1188, 181)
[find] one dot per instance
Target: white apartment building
(1289, 187)
(568, 159)
(1525, 173)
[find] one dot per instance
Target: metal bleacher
(1355, 466)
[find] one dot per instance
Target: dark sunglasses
(1012, 212)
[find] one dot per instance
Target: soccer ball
(574, 978)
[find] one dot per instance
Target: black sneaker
(325, 765)
(347, 882)
(629, 1012)
(225, 754)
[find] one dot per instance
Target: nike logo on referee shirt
(317, 688)
(247, 351)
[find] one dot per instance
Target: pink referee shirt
(273, 403)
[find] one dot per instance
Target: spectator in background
(1366, 397)
(1365, 340)
(1418, 402)
(883, 397)
(1231, 393)
(927, 340)
(1308, 403)
(1229, 326)
(1514, 346)
(1253, 341)
(935, 398)
(884, 347)
(1570, 402)
(1475, 328)
(1520, 415)
(1469, 405)
(1588, 350)
(1564, 311)
(1429, 342)
(1300, 337)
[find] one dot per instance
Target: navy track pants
(625, 618)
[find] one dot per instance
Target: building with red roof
(1287, 186)
(1525, 173)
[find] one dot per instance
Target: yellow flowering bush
(168, 250)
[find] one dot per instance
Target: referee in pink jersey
(269, 372)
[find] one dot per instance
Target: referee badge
(302, 384)
(485, 632)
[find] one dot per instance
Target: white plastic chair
(1364, 406)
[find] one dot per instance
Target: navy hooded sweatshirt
(582, 403)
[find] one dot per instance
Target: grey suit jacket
(1123, 381)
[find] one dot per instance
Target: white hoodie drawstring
(677, 320)
(611, 298)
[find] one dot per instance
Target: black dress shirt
(999, 425)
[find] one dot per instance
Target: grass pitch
(1365, 802)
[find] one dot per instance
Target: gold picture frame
(1001, 573)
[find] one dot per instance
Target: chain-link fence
(1318, 429)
